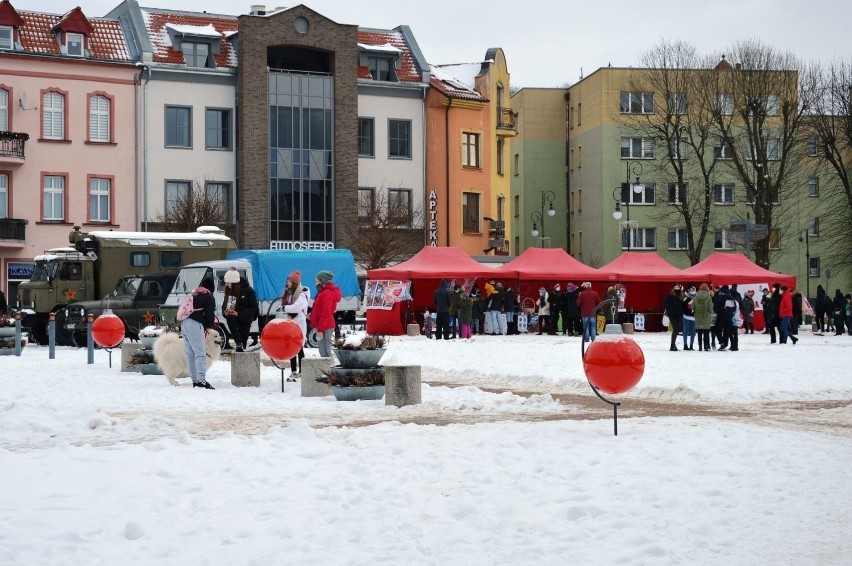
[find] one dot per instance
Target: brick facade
(256, 34)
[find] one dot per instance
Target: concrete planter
(372, 393)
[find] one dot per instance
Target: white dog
(170, 354)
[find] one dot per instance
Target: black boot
(202, 384)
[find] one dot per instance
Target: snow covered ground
(721, 458)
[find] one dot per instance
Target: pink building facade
(68, 92)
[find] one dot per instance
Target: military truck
(89, 269)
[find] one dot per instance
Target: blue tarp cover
(270, 269)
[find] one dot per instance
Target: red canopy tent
(548, 264)
(424, 270)
(734, 268)
(647, 279)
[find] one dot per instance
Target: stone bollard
(312, 368)
(128, 350)
(413, 329)
(627, 327)
(245, 369)
(402, 385)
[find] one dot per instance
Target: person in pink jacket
(322, 314)
(785, 313)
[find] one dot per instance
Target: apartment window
(812, 147)
(677, 239)
(517, 164)
(177, 193)
(813, 267)
(399, 205)
(579, 157)
(99, 197)
(813, 187)
(637, 103)
(725, 104)
(470, 150)
(677, 103)
(723, 194)
(53, 192)
(399, 139)
(677, 193)
(643, 193)
(722, 149)
(571, 161)
(178, 126)
(762, 105)
(772, 145)
(500, 149)
(579, 113)
(381, 69)
(579, 200)
(196, 54)
(517, 207)
(53, 116)
(366, 137)
(217, 128)
(220, 194)
(639, 238)
(6, 34)
(677, 149)
(774, 239)
(4, 110)
(4, 195)
(74, 44)
(720, 240)
(637, 148)
(470, 213)
(99, 115)
(814, 229)
(366, 202)
(571, 207)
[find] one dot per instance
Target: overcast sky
(547, 43)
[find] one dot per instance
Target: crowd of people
(712, 316)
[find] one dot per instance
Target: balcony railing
(507, 119)
(12, 145)
(13, 229)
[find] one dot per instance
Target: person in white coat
(543, 306)
(295, 300)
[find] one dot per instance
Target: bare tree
(194, 208)
(683, 123)
(760, 134)
(828, 135)
(389, 229)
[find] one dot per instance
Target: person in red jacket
(587, 301)
(322, 314)
(785, 313)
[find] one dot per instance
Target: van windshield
(190, 278)
(126, 287)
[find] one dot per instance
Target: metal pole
(51, 336)
(18, 334)
(90, 339)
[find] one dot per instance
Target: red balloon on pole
(281, 339)
(108, 330)
(614, 363)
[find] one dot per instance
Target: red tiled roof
(106, 40)
(444, 82)
(408, 71)
(156, 20)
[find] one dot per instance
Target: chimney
(739, 66)
(258, 10)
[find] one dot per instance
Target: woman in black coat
(673, 307)
(819, 308)
(839, 312)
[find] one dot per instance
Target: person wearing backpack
(195, 327)
(295, 300)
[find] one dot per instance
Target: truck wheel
(80, 339)
(63, 336)
(313, 338)
(38, 332)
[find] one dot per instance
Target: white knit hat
(232, 276)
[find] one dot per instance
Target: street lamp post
(621, 195)
(538, 215)
(806, 238)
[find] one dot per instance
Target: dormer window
(7, 33)
(74, 44)
(196, 54)
(382, 69)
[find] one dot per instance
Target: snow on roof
(206, 31)
(384, 47)
(113, 235)
(465, 73)
(444, 79)
(106, 40)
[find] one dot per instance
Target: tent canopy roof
(734, 268)
(642, 267)
(433, 263)
(548, 264)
